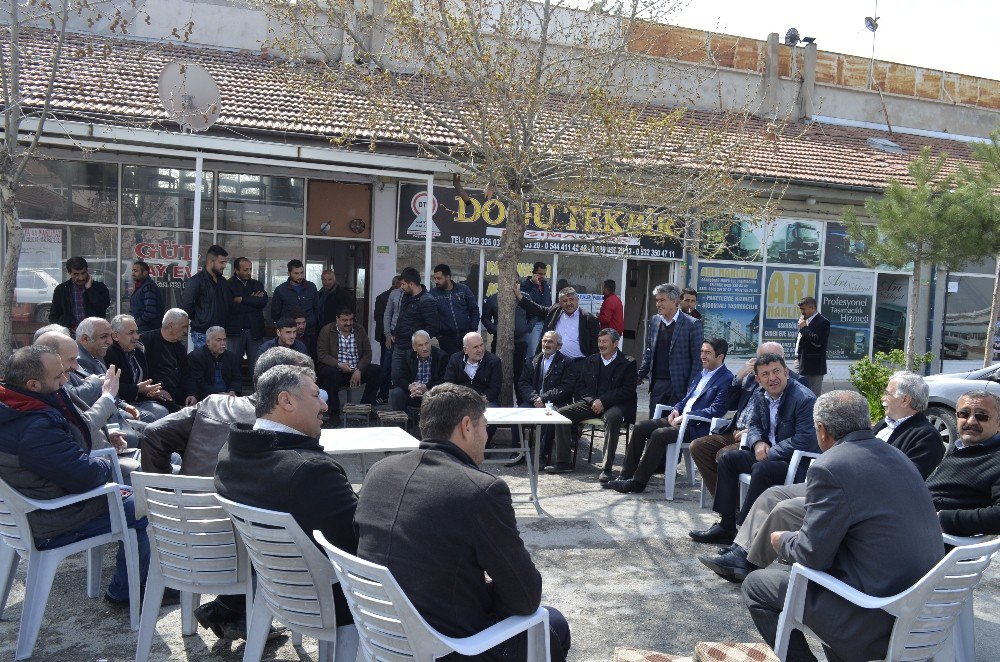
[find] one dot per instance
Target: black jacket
(559, 382)
(622, 387)
(127, 389)
(201, 373)
(488, 377)
(95, 303)
(381, 301)
(918, 440)
(440, 524)
(439, 363)
(589, 326)
(328, 304)
(416, 313)
(813, 339)
(249, 312)
(290, 473)
(966, 489)
(205, 301)
(168, 365)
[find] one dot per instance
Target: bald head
(65, 346)
(771, 348)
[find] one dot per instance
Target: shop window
(168, 254)
(164, 197)
(586, 274)
(269, 255)
(78, 191)
(261, 203)
(464, 263)
(42, 266)
(966, 317)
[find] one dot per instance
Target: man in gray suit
(673, 349)
(869, 522)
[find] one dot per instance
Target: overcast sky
(954, 35)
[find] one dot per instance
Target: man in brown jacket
(345, 361)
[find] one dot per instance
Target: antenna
(792, 37)
(189, 95)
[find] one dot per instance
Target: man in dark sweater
(247, 300)
(79, 297)
(472, 550)
(966, 485)
(166, 356)
(204, 297)
(213, 368)
(417, 312)
(279, 464)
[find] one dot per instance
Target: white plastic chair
(675, 450)
(793, 468)
(193, 548)
(15, 532)
(965, 640)
(926, 613)
(294, 584)
(390, 627)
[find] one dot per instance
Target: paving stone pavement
(620, 567)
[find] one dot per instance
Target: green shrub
(871, 377)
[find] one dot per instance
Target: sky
(953, 35)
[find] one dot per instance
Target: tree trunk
(991, 330)
(511, 247)
(911, 315)
(15, 235)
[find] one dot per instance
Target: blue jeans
(534, 336)
(197, 339)
(118, 589)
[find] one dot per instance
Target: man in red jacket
(612, 315)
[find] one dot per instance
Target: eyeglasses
(979, 416)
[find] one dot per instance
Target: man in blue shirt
(457, 309)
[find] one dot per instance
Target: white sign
(41, 249)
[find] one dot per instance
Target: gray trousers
(815, 383)
(779, 508)
(764, 594)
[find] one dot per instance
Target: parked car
(35, 287)
(954, 349)
(945, 390)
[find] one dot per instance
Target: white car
(945, 390)
(35, 286)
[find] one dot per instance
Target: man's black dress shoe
(714, 534)
(627, 486)
(727, 548)
(733, 565)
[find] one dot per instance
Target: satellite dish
(791, 37)
(189, 95)
(871, 23)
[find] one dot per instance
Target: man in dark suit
(135, 385)
(673, 349)
(706, 397)
(578, 328)
(810, 345)
(422, 369)
(213, 368)
(79, 297)
(476, 368)
(869, 522)
(548, 378)
(706, 450)
(905, 425)
(246, 299)
(605, 388)
(166, 355)
(473, 548)
(780, 423)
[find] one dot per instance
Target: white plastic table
(521, 417)
(348, 441)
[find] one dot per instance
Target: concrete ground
(620, 567)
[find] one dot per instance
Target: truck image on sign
(795, 243)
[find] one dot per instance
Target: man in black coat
(205, 298)
(166, 355)
(473, 549)
(422, 369)
(79, 297)
(385, 353)
(810, 345)
(548, 378)
(869, 522)
(605, 388)
(417, 312)
(279, 464)
(213, 368)
(578, 328)
(476, 368)
(135, 385)
(905, 425)
(247, 300)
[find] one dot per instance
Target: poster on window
(785, 288)
(41, 248)
(729, 302)
(794, 242)
(568, 228)
(847, 303)
(741, 240)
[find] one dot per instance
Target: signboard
(785, 288)
(729, 303)
(794, 242)
(41, 248)
(841, 250)
(847, 303)
(550, 228)
(739, 240)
